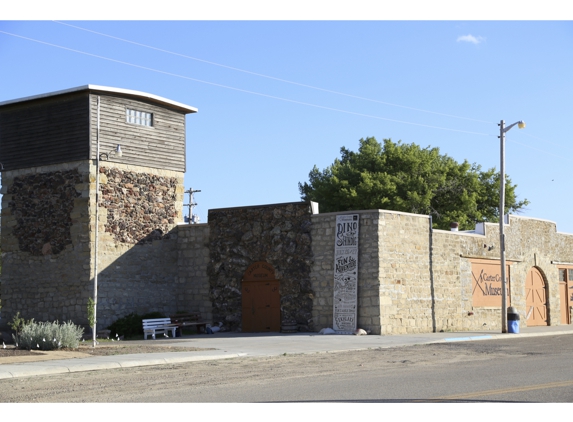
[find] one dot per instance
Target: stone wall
(48, 239)
(41, 204)
(279, 234)
(322, 272)
(138, 242)
(193, 260)
(406, 298)
(452, 275)
(412, 279)
(141, 206)
(46, 271)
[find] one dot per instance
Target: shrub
(18, 323)
(130, 325)
(91, 312)
(48, 336)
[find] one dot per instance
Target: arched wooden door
(261, 300)
(535, 298)
(565, 283)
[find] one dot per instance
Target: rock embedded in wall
(141, 207)
(278, 234)
(41, 205)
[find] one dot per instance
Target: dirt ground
(124, 385)
(201, 380)
(12, 355)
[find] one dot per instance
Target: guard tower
(56, 151)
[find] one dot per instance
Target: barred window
(139, 117)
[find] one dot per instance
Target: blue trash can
(512, 320)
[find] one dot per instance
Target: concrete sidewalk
(233, 345)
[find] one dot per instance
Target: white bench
(157, 326)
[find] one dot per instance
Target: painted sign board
(345, 273)
(486, 283)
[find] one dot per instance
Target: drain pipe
(94, 330)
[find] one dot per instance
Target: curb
(20, 370)
(64, 366)
(503, 336)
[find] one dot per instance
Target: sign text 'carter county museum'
(486, 283)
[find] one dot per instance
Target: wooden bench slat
(158, 326)
(192, 319)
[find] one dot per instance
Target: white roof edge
(460, 233)
(532, 218)
(381, 211)
(131, 92)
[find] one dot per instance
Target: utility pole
(192, 218)
(502, 130)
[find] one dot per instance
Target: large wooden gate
(565, 294)
(261, 300)
(564, 303)
(535, 298)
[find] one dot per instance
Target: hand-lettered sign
(345, 273)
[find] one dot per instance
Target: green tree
(406, 177)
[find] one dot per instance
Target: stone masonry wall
(42, 204)
(278, 234)
(46, 243)
(141, 206)
(406, 298)
(322, 272)
(48, 272)
(452, 274)
(138, 245)
(425, 289)
(193, 260)
(531, 243)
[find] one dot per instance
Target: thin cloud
(470, 38)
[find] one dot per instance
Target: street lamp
(502, 130)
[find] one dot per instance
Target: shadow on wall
(139, 278)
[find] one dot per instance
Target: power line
(544, 140)
(538, 149)
(243, 90)
(270, 77)
(280, 98)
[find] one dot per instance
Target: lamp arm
(505, 129)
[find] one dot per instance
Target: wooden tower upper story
(62, 126)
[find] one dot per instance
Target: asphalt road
(534, 369)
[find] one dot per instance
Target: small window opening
(139, 117)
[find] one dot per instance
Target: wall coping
(182, 225)
(282, 204)
(379, 211)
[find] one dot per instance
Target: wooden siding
(42, 132)
(161, 146)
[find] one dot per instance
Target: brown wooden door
(565, 297)
(535, 299)
(261, 306)
(564, 303)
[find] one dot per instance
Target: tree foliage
(406, 177)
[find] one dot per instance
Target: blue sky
(276, 98)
